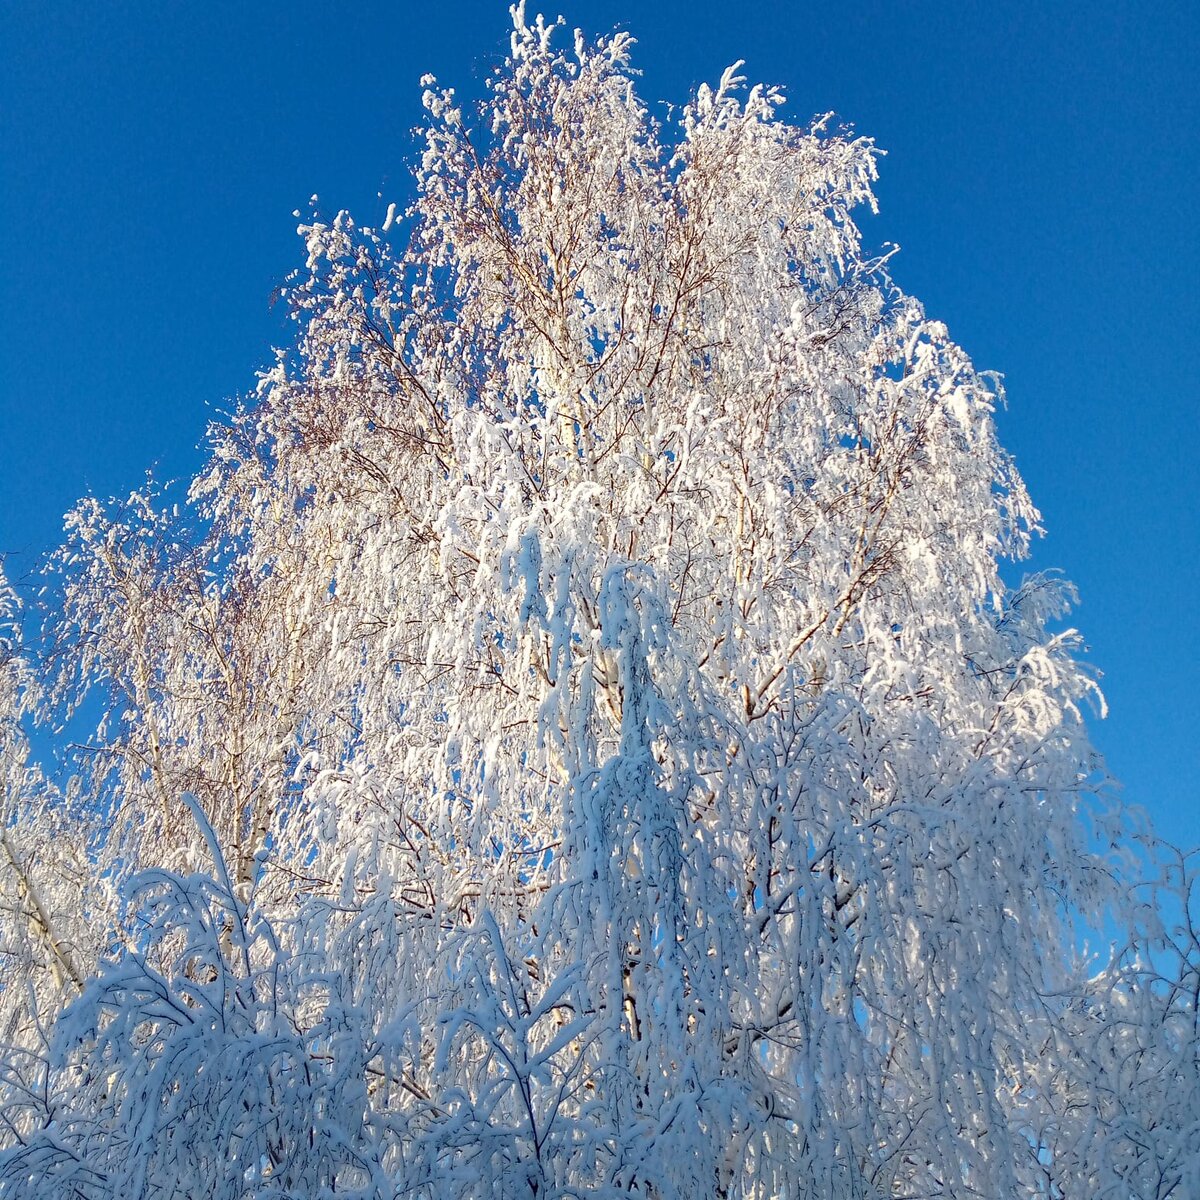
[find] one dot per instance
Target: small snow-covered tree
(53, 913)
(578, 740)
(1118, 1074)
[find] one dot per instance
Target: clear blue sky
(1041, 180)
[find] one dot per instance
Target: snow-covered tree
(577, 739)
(53, 913)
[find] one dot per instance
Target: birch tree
(53, 913)
(577, 738)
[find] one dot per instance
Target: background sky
(1041, 178)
